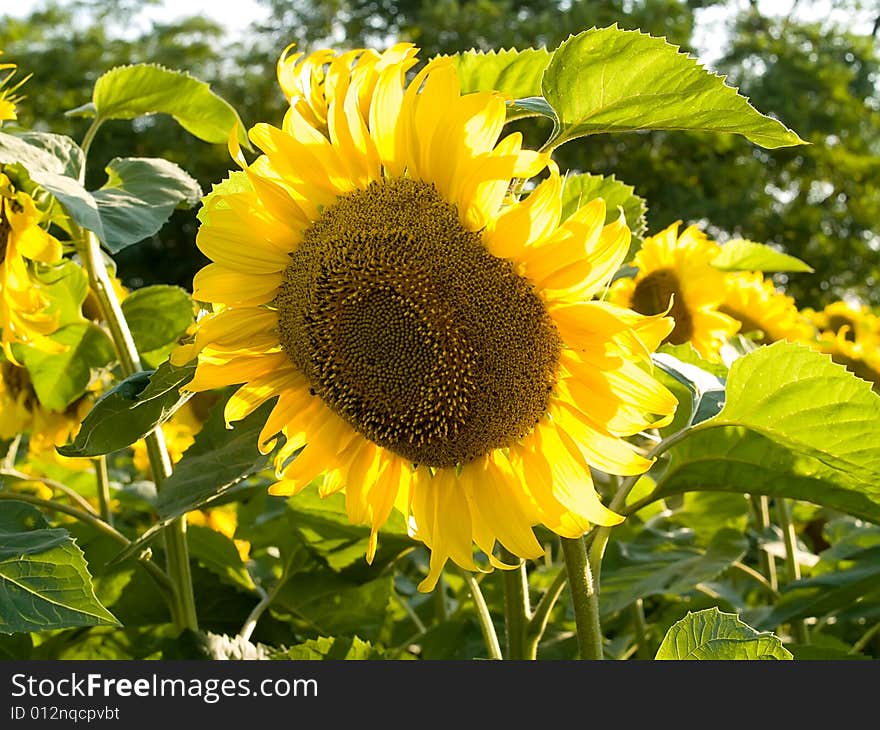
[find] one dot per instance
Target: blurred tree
(819, 202)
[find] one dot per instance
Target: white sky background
(709, 37)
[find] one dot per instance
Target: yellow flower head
(23, 315)
(853, 322)
(860, 357)
(763, 311)
(677, 269)
(8, 97)
(432, 343)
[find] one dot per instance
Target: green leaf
(68, 154)
(218, 553)
(60, 378)
(669, 571)
(742, 255)
(513, 72)
(713, 635)
(126, 92)
(613, 80)
(580, 189)
(324, 527)
(794, 425)
(131, 410)
(218, 458)
(158, 316)
(28, 152)
(44, 581)
(139, 197)
(337, 647)
(67, 286)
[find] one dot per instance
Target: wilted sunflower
(431, 341)
(23, 305)
(8, 97)
(763, 311)
(677, 269)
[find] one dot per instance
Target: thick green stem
(641, 629)
(88, 138)
(176, 551)
(517, 611)
(584, 598)
(490, 636)
(792, 566)
(96, 522)
(103, 483)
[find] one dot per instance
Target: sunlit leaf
(613, 80)
(743, 255)
(60, 378)
(126, 92)
(713, 635)
(580, 189)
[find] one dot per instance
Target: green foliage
(713, 635)
(128, 92)
(609, 80)
(794, 424)
(158, 316)
(130, 410)
(139, 197)
(60, 378)
(580, 189)
(742, 255)
(44, 579)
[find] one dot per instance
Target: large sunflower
(23, 304)
(762, 311)
(431, 341)
(676, 269)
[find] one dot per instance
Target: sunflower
(8, 97)
(431, 341)
(860, 357)
(23, 305)
(677, 270)
(853, 321)
(763, 311)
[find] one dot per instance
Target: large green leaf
(743, 255)
(131, 410)
(44, 581)
(68, 156)
(580, 189)
(513, 72)
(794, 425)
(613, 80)
(218, 553)
(218, 458)
(158, 316)
(126, 92)
(714, 635)
(66, 285)
(59, 378)
(139, 197)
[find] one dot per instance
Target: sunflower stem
(761, 511)
(584, 598)
(103, 482)
(517, 611)
(792, 567)
(88, 138)
(641, 628)
(176, 552)
(490, 636)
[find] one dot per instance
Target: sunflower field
(432, 393)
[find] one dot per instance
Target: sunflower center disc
(837, 321)
(651, 296)
(412, 331)
(18, 381)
